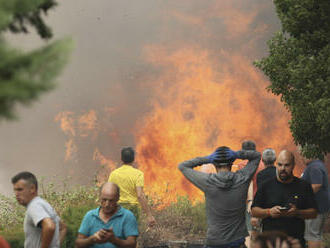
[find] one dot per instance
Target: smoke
(126, 65)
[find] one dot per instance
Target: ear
(32, 189)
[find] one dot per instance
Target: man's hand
(275, 212)
(231, 155)
(214, 157)
(100, 237)
(292, 212)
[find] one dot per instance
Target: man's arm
(84, 241)
(316, 187)
(144, 204)
(63, 230)
(254, 159)
(129, 242)
(196, 177)
(48, 227)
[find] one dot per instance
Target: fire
(205, 95)
(199, 107)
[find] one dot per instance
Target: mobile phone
(107, 230)
(284, 208)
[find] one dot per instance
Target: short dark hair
(27, 176)
(249, 145)
(127, 155)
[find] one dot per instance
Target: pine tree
(25, 75)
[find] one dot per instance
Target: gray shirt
(37, 210)
(225, 194)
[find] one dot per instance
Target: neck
(106, 216)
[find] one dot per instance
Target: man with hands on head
(225, 194)
(109, 225)
(285, 201)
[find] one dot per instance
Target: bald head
(287, 155)
(110, 188)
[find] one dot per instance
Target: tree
(25, 75)
(298, 67)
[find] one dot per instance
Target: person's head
(223, 162)
(268, 156)
(249, 145)
(271, 239)
(127, 155)
(285, 165)
(25, 187)
(109, 196)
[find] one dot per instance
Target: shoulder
(91, 213)
(301, 182)
(126, 213)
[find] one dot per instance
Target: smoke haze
(133, 62)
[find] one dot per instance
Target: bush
(180, 221)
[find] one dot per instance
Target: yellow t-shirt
(127, 178)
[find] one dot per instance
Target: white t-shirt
(37, 210)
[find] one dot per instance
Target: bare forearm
(63, 230)
(144, 204)
(130, 242)
(84, 242)
(260, 213)
(47, 235)
(309, 213)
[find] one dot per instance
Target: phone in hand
(107, 230)
(284, 208)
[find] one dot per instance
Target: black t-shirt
(265, 174)
(274, 193)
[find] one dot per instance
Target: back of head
(222, 160)
(249, 145)
(26, 176)
(127, 155)
(268, 156)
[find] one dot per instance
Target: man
(109, 225)
(285, 201)
(249, 145)
(225, 194)
(131, 182)
(42, 226)
(268, 158)
(317, 175)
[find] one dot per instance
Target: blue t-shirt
(316, 173)
(123, 223)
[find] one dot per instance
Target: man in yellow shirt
(131, 182)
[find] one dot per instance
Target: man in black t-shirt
(268, 158)
(285, 201)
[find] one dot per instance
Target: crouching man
(109, 225)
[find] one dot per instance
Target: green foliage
(182, 220)
(25, 75)
(298, 66)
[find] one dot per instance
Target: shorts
(314, 227)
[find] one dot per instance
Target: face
(109, 199)
(284, 167)
(24, 192)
